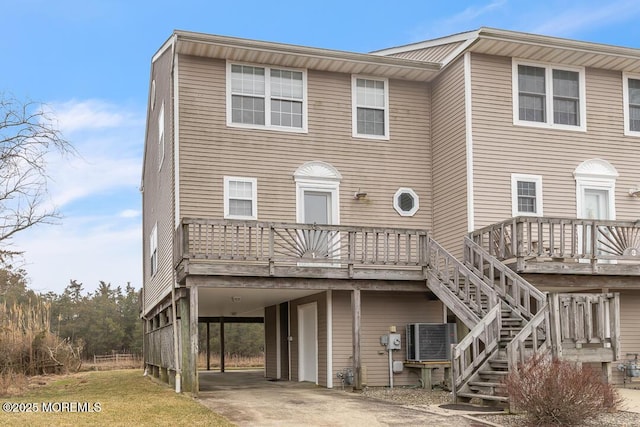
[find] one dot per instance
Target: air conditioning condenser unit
(430, 341)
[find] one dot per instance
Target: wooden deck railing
(521, 296)
(467, 290)
(475, 348)
(534, 338)
(299, 244)
(585, 321)
(563, 239)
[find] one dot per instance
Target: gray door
(317, 207)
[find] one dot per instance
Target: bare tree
(27, 134)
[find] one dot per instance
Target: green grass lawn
(124, 397)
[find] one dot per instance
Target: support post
(221, 344)
(193, 328)
(555, 324)
(208, 348)
(186, 358)
(356, 312)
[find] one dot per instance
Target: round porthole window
(406, 202)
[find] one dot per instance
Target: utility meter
(394, 342)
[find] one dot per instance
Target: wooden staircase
(508, 319)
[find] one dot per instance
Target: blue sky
(89, 61)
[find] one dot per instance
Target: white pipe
(390, 367)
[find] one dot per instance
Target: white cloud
(587, 16)
(130, 213)
(90, 114)
(471, 18)
(96, 192)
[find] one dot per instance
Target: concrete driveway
(247, 399)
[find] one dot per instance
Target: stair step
(484, 397)
(486, 384)
(492, 373)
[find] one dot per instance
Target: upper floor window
(631, 104)
(240, 198)
(161, 136)
(264, 97)
(526, 195)
(549, 96)
(153, 250)
(370, 98)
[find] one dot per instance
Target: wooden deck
(208, 247)
(564, 245)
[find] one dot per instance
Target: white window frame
(355, 105)
(254, 197)
(416, 202)
(267, 99)
(582, 127)
(595, 174)
(537, 179)
(161, 124)
(625, 96)
(153, 250)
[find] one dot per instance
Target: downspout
(176, 347)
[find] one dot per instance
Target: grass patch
(125, 398)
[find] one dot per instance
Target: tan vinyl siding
(380, 310)
(271, 342)
(158, 192)
(210, 150)
(629, 331)
(449, 158)
(430, 54)
(321, 301)
(500, 148)
(342, 333)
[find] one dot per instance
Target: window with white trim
(526, 195)
(370, 98)
(406, 202)
(266, 97)
(153, 250)
(240, 198)
(549, 96)
(631, 104)
(161, 136)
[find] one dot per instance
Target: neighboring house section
(331, 195)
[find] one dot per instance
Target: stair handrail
(448, 270)
(519, 295)
(516, 348)
(475, 348)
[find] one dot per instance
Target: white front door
(308, 342)
(596, 204)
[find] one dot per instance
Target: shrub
(554, 392)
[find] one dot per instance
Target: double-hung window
(370, 99)
(266, 97)
(526, 195)
(631, 104)
(240, 198)
(549, 96)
